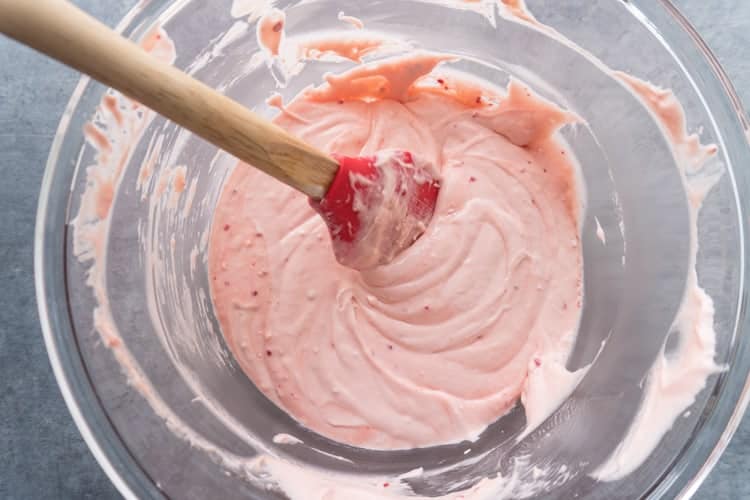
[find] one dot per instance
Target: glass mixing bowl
(148, 446)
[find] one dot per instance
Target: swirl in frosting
(433, 347)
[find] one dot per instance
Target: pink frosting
(438, 344)
(271, 31)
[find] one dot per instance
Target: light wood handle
(63, 32)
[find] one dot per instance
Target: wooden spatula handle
(60, 30)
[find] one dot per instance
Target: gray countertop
(42, 454)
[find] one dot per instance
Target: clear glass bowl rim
(134, 482)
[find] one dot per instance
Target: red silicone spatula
(374, 206)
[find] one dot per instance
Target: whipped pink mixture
(438, 344)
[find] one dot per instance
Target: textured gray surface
(41, 452)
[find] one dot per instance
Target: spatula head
(377, 206)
